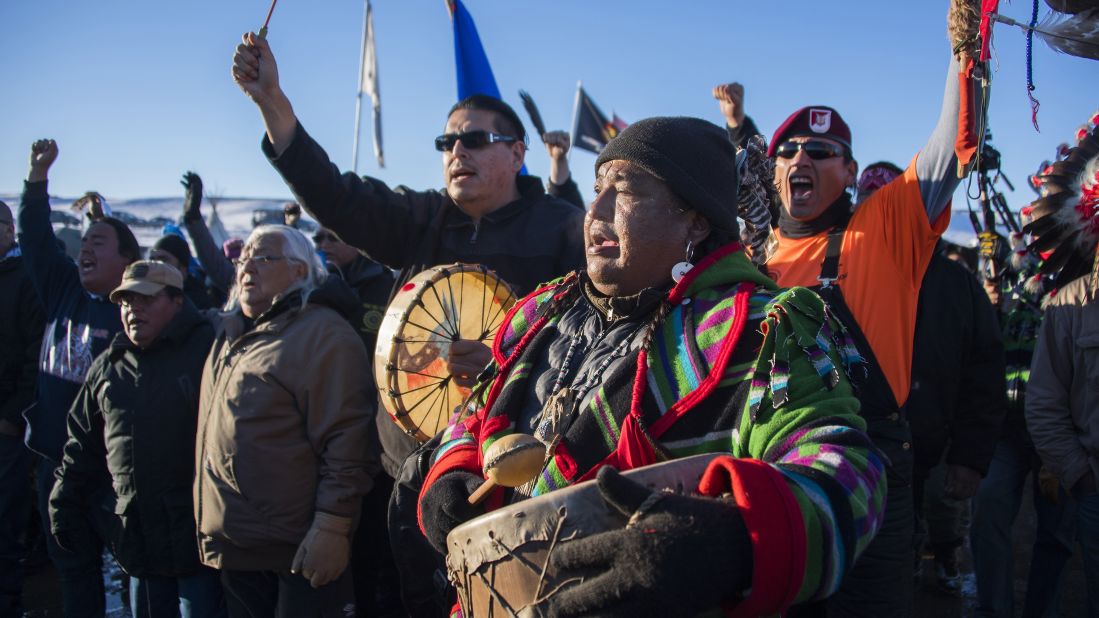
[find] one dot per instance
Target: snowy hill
(147, 216)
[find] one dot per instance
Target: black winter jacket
(21, 324)
(958, 398)
(79, 326)
(529, 241)
(129, 461)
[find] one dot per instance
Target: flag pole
(575, 119)
(359, 98)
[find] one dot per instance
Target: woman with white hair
(284, 413)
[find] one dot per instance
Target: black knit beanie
(176, 246)
(694, 157)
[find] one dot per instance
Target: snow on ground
(147, 216)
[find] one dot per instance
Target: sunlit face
(480, 179)
(145, 317)
(809, 186)
(99, 263)
(264, 272)
(635, 230)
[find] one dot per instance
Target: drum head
(434, 309)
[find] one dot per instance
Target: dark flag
(591, 129)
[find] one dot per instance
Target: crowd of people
(208, 414)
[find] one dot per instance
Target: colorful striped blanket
(735, 367)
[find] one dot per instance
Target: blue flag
(474, 72)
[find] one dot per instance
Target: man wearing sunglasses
(868, 265)
(487, 213)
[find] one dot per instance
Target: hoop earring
(680, 269)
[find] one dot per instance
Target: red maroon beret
(812, 121)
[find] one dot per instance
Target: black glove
(679, 556)
(445, 505)
(71, 536)
(193, 200)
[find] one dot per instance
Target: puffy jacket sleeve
(83, 467)
(385, 224)
(810, 485)
(339, 414)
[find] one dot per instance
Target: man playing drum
(671, 343)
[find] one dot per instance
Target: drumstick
(510, 462)
(263, 30)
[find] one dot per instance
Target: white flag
(369, 82)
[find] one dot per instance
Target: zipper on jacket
(476, 229)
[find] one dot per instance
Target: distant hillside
(147, 216)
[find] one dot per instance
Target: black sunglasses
(816, 150)
(319, 238)
(470, 139)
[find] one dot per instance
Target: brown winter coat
(284, 416)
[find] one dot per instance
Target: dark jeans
(15, 492)
(377, 584)
(270, 594)
(80, 572)
(994, 510)
(880, 582)
(189, 596)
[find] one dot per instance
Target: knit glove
(193, 199)
(445, 506)
(678, 556)
(323, 554)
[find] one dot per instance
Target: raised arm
(936, 165)
(385, 224)
(210, 256)
(50, 269)
(741, 127)
(560, 183)
(257, 74)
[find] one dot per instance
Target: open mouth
(801, 187)
(461, 173)
(602, 244)
(87, 265)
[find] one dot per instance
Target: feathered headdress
(1066, 217)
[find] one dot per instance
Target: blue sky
(136, 92)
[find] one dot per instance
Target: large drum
(499, 562)
(435, 308)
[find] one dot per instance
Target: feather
(1077, 35)
(532, 110)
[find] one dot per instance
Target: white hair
(296, 247)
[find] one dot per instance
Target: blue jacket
(79, 326)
